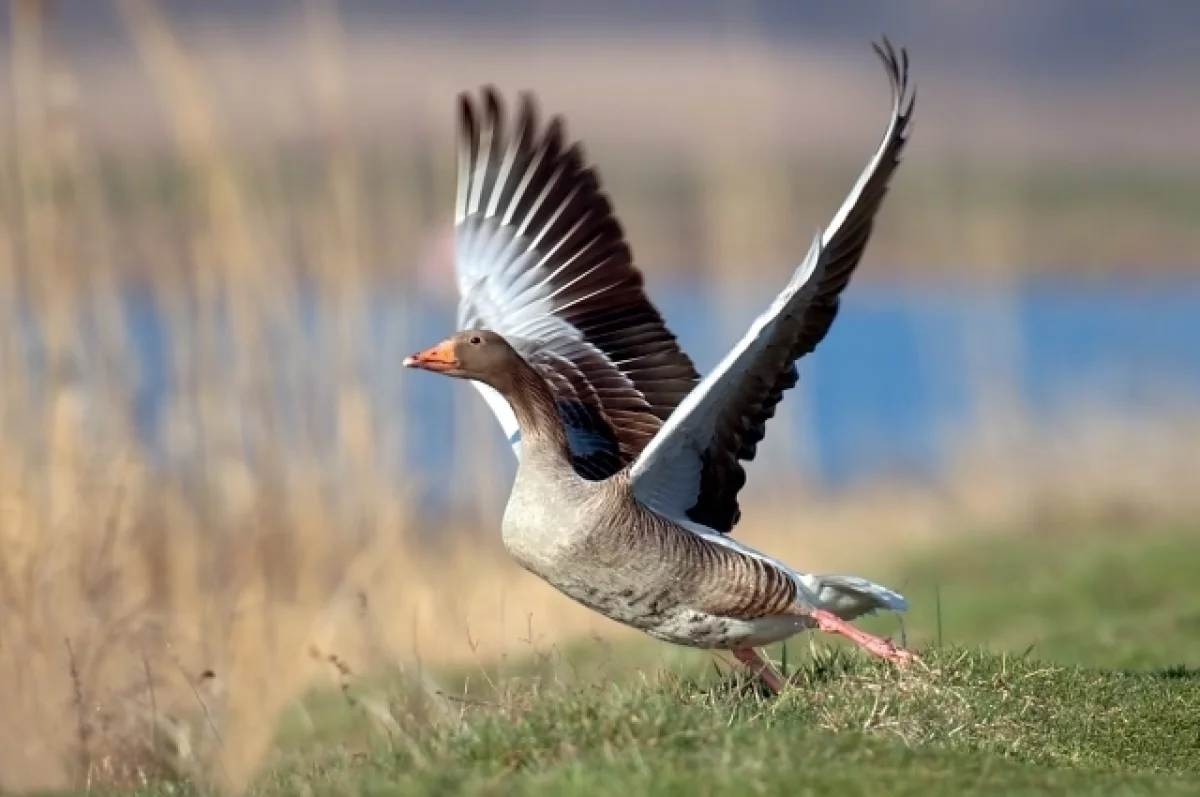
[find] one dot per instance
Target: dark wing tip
(555, 135)
(491, 95)
(486, 105)
(896, 65)
(486, 108)
(723, 477)
(577, 166)
(527, 114)
(467, 114)
(494, 107)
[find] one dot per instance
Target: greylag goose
(629, 465)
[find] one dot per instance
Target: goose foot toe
(883, 647)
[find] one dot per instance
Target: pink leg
(883, 648)
(759, 667)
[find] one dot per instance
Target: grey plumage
(629, 464)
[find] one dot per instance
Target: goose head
(478, 354)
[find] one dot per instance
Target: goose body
(629, 464)
(673, 579)
(634, 566)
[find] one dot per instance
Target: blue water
(897, 378)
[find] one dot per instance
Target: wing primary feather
(700, 474)
(487, 147)
(539, 200)
(518, 144)
(537, 163)
(542, 260)
(534, 157)
(548, 226)
(700, 396)
(468, 146)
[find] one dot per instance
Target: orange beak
(438, 359)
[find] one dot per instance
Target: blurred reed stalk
(341, 247)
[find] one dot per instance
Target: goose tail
(849, 597)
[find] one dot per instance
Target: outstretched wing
(693, 467)
(542, 260)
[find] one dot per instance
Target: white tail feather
(849, 597)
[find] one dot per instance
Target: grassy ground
(976, 723)
(1109, 597)
(1068, 665)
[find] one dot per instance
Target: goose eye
(475, 340)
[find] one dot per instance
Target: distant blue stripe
(515, 437)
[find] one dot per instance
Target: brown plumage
(594, 541)
(630, 465)
(535, 227)
(543, 260)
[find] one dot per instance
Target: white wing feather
(666, 476)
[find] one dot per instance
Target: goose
(630, 464)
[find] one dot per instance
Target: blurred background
(223, 225)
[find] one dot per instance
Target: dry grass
(970, 723)
(157, 628)
(142, 635)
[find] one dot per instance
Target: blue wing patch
(595, 451)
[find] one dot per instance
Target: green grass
(1107, 597)
(1090, 684)
(978, 723)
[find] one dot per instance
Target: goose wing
(542, 260)
(692, 468)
